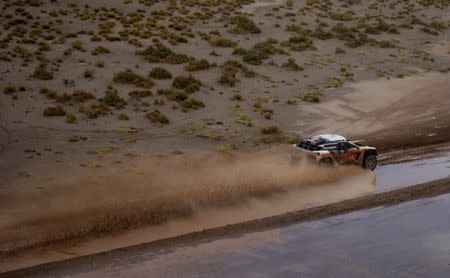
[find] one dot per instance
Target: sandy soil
(369, 103)
(362, 94)
(378, 110)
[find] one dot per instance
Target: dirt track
(382, 199)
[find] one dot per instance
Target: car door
(347, 153)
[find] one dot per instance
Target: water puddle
(413, 172)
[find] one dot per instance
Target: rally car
(334, 150)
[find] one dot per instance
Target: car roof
(327, 138)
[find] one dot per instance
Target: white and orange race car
(334, 150)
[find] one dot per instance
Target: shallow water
(397, 241)
(404, 174)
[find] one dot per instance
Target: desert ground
(119, 114)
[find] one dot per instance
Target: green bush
(429, 31)
(140, 94)
(48, 93)
(386, 44)
(129, 77)
(299, 43)
(100, 64)
(41, 72)
(95, 110)
(272, 129)
(23, 53)
(161, 54)
(381, 26)
(351, 35)
(77, 45)
(339, 50)
(173, 95)
(254, 57)
(267, 114)
(321, 34)
(438, 25)
(291, 101)
(157, 117)
(88, 73)
(160, 73)
(244, 120)
(159, 102)
(359, 40)
(239, 51)
(292, 65)
(416, 20)
(112, 98)
(343, 32)
(229, 71)
(75, 96)
(9, 90)
(192, 103)
(100, 50)
(71, 119)
(188, 83)
(228, 78)
(222, 42)
(244, 25)
(5, 58)
(225, 148)
(237, 97)
(54, 111)
(197, 65)
(298, 29)
(123, 117)
(313, 96)
(261, 51)
(341, 16)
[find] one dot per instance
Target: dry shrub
(157, 117)
(54, 111)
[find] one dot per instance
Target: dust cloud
(155, 192)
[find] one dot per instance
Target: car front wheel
(370, 162)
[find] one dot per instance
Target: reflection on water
(414, 172)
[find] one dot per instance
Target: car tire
(370, 162)
(326, 162)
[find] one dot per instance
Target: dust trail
(150, 194)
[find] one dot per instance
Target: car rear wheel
(370, 162)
